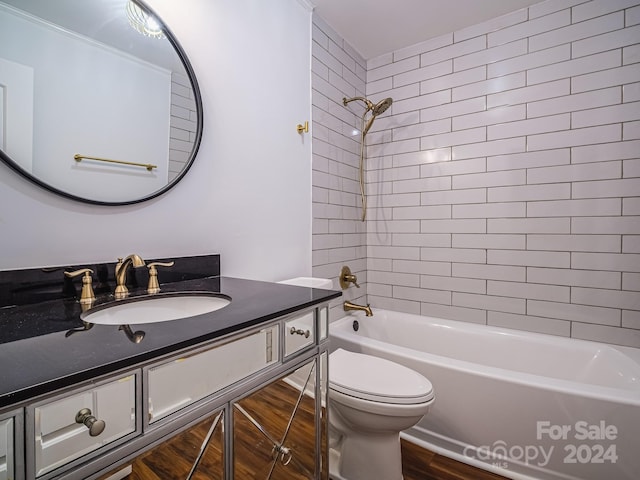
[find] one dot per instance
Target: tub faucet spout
(352, 306)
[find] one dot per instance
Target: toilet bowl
(371, 400)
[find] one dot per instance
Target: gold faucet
(352, 306)
(121, 273)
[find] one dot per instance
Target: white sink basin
(155, 309)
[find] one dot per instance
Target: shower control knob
(346, 277)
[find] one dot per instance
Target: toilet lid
(376, 379)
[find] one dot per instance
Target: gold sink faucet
(352, 306)
(121, 273)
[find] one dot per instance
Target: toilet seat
(377, 379)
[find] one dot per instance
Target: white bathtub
(520, 404)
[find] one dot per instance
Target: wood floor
(271, 407)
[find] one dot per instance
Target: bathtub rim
(342, 328)
(631, 352)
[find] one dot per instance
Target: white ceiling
(376, 27)
(371, 27)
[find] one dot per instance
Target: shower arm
(364, 100)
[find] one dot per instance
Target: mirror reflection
(97, 100)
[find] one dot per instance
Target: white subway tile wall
(504, 182)
(339, 237)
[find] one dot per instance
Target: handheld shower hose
(375, 109)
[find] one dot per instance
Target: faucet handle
(154, 285)
(347, 277)
(87, 297)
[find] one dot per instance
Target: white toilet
(371, 400)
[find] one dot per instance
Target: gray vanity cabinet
(248, 405)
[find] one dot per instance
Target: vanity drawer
(60, 435)
(180, 382)
(299, 333)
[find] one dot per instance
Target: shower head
(377, 109)
(381, 106)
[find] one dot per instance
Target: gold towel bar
(77, 157)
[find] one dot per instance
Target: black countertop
(45, 346)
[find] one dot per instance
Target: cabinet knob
(299, 331)
(95, 426)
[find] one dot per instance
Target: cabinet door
(275, 429)
(6, 449)
(197, 453)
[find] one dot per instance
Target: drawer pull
(299, 331)
(95, 426)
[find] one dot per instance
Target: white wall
(505, 181)
(248, 194)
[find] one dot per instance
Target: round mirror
(98, 101)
